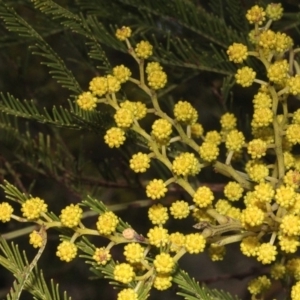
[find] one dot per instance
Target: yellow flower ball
(33, 208)
(102, 256)
(114, 137)
(194, 243)
(180, 209)
(35, 239)
(71, 216)
(143, 49)
(124, 273)
(86, 101)
(107, 223)
(66, 251)
(163, 263)
(123, 33)
(6, 211)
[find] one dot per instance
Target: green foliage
(28, 276)
(190, 40)
(192, 290)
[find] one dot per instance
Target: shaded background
(101, 171)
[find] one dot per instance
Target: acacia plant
(260, 204)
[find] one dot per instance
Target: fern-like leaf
(191, 290)
(59, 71)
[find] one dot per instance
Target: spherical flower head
(141, 110)
(102, 256)
(156, 189)
(123, 118)
(251, 199)
(264, 192)
(138, 109)
(294, 84)
(134, 252)
(278, 71)
(285, 196)
(292, 133)
(152, 67)
(162, 282)
(262, 116)
(274, 11)
(114, 137)
(122, 73)
(186, 164)
(233, 191)
(257, 171)
(185, 113)
(292, 178)
(157, 79)
(234, 140)
(278, 271)
(66, 251)
(266, 253)
(124, 273)
(283, 43)
(143, 49)
(98, 86)
(228, 121)
(293, 267)
(139, 162)
(161, 129)
(245, 76)
(6, 211)
(177, 241)
(296, 117)
(179, 209)
(288, 160)
(163, 263)
(216, 252)
(259, 285)
(107, 223)
(222, 206)
(158, 236)
(33, 208)
(295, 291)
(267, 39)
(208, 151)
(252, 216)
(213, 137)
(123, 33)
(295, 208)
(253, 36)
(288, 244)
(86, 101)
(158, 214)
(197, 130)
(71, 215)
(257, 148)
(290, 225)
(113, 84)
(127, 294)
(203, 197)
(35, 239)
(194, 243)
(131, 106)
(249, 246)
(256, 15)
(237, 52)
(262, 100)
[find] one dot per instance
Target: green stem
(229, 171)
(277, 134)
